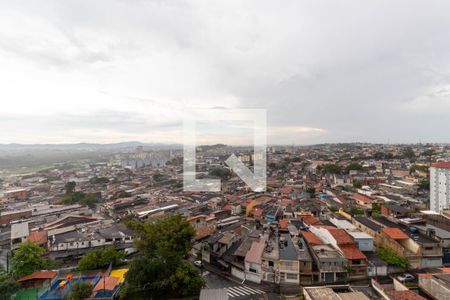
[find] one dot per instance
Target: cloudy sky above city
(325, 71)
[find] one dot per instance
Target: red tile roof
(106, 283)
(284, 223)
(441, 165)
(286, 202)
(286, 190)
(352, 252)
(38, 237)
(405, 295)
(310, 220)
(362, 198)
(395, 233)
(341, 236)
(311, 238)
(38, 275)
(255, 252)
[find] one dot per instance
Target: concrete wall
(365, 244)
(434, 288)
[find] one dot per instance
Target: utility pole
(7, 262)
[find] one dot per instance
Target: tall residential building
(440, 186)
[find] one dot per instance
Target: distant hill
(87, 146)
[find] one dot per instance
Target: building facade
(440, 186)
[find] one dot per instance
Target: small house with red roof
(36, 279)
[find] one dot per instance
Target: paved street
(214, 281)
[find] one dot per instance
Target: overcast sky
(326, 71)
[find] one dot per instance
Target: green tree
(357, 184)
(220, 172)
(353, 167)
(69, 187)
(80, 198)
(310, 189)
(158, 177)
(331, 169)
(80, 290)
(356, 211)
(28, 259)
(161, 272)
(101, 258)
(172, 234)
(392, 258)
(424, 184)
(98, 180)
(408, 152)
(8, 286)
(429, 152)
(161, 275)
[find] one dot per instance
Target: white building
(440, 186)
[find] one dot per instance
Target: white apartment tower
(440, 186)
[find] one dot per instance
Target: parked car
(198, 263)
(405, 277)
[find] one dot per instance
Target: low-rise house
(402, 244)
(376, 266)
(253, 260)
(288, 260)
(395, 210)
(306, 271)
(39, 237)
(362, 240)
(429, 250)
(6, 217)
(363, 201)
(216, 245)
(19, 234)
(368, 226)
(331, 263)
(435, 285)
(36, 279)
(237, 258)
(332, 293)
(80, 240)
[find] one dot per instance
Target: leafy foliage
(330, 169)
(220, 172)
(7, 286)
(158, 177)
(80, 291)
(413, 168)
(69, 187)
(101, 258)
(28, 259)
(424, 184)
(357, 185)
(408, 152)
(356, 211)
(383, 155)
(98, 180)
(392, 258)
(120, 194)
(429, 152)
(310, 189)
(353, 167)
(173, 234)
(80, 198)
(161, 271)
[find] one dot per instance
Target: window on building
(291, 276)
